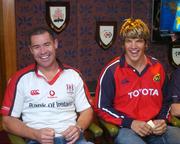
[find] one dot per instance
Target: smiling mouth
(45, 57)
(134, 52)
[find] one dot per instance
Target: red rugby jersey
(123, 94)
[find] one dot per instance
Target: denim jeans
(128, 136)
(61, 140)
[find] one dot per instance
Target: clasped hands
(143, 129)
(71, 135)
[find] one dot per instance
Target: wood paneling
(7, 42)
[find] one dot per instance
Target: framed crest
(57, 15)
(106, 32)
(174, 54)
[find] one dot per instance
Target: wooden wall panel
(1, 51)
(7, 42)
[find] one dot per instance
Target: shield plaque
(175, 54)
(106, 33)
(57, 15)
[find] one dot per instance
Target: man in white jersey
(42, 100)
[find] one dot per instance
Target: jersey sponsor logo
(52, 94)
(35, 92)
(144, 92)
(157, 77)
(70, 88)
(55, 104)
(31, 105)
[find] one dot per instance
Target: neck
(139, 65)
(50, 71)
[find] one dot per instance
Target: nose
(43, 49)
(133, 44)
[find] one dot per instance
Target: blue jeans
(128, 136)
(61, 140)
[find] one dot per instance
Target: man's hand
(141, 128)
(46, 136)
(160, 127)
(71, 134)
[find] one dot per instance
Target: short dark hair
(40, 30)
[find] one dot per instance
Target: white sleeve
(81, 101)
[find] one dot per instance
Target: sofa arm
(175, 121)
(16, 139)
(111, 128)
(95, 129)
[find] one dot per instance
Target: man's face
(134, 50)
(43, 48)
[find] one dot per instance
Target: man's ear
(30, 48)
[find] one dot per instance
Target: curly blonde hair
(134, 28)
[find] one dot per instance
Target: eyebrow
(40, 44)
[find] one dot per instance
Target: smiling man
(131, 92)
(42, 100)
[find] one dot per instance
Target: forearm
(175, 109)
(17, 127)
(85, 118)
(114, 117)
(166, 102)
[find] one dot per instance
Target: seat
(110, 131)
(175, 121)
(16, 139)
(110, 128)
(93, 133)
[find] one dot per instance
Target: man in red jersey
(132, 93)
(47, 96)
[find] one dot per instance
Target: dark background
(77, 44)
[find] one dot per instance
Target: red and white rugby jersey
(122, 94)
(46, 104)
